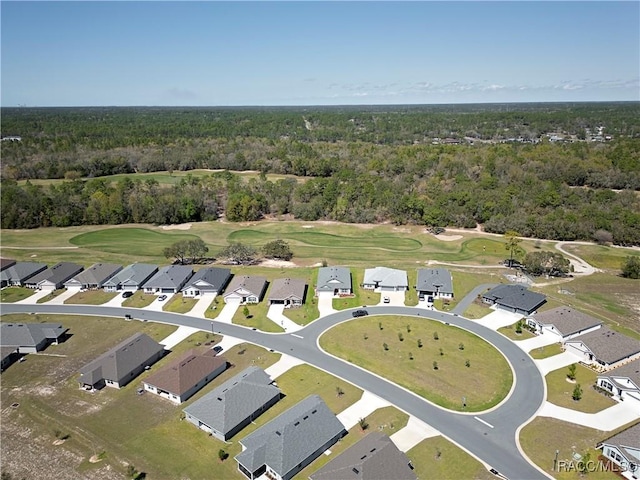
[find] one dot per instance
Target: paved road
(493, 439)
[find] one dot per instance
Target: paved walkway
(325, 304)
(395, 298)
(202, 305)
(556, 362)
(537, 342)
(411, 435)
(285, 363)
(605, 420)
(367, 404)
(228, 311)
(182, 333)
(276, 315)
(59, 300)
(498, 319)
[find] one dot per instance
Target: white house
(623, 382)
(623, 449)
(604, 348)
(564, 322)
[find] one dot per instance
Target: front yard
(559, 390)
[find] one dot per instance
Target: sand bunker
(182, 226)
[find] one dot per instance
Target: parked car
(127, 294)
(360, 313)
(162, 298)
(386, 300)
(430, 299)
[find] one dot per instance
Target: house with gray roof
(231, 406)
(288, 443)
(169, 279)
(334, 280)
(624, 450)
(604, 348)
(385, 279)
(31, 337)
(375, 457)
(131, 278)
(434, 282)
(18, 274)
(54, 277)
(514, 298)
(93, 277)
(121, 364)
(245, 289)
(622, 382)
(180, 380)
(289, 292)
(6, 263)
(8, 355)
(207, 280)
(564, 322)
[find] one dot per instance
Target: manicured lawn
(139, 300)
(15, 294)
(510, 332)
(91, 297)
(601, 256)
(546, 351)
(214, 308)
(559, 390)
(540, 445)
(361, 296)
(179, 304)
(257, 318)
(464, 282)
(484, 383)
(475, 311)
(436, 457)
(387, 420)
(51, 295)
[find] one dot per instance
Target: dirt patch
(182, 226)
(448, 238)
(277, 264)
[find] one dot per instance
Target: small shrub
(339, 392)
(380, 325)
(410, 356)
(222, 455)
(419, 343)
(400, 337)
(467, 363)
(435, 365)
(385, 346)
(572, 372)
(577, 393)
(408, 328)
(363, 424)
(366, 337)
(519, 327)
(435, 336)
(461, 346)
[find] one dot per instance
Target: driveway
(228, 311)
(605, 420)
(411, 435)
(498, 319)
(367, 404)
(395, 298)
(115, 301)
(325, 304)
(157, 304)
(276, 315)
(556, 362)
(202, 305)
(537, 342)
(35, 297)
(285, 363)
(178, 336)
(59, 300)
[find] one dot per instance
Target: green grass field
(484, 383)
(139, 300)
(15, 294)
(90, 297)
(179, 304)
(510, 332)
(559, 390)
(546, 351)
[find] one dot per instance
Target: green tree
(631, 267)
(572, 372)
(278, 249)
(222, 455)
(512, 242)
(546, 263)
(238, 253)
(363, 424)
(577, 392)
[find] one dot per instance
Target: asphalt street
(490, 436)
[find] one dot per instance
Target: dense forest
(558, 171)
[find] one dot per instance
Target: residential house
(434, 282)
(514, 298)
(245, 289)
(130, 278)
(31, 337)
(284, 446)
(93, 277)
(6, 263)
(563, 322)
(186, 376)
(375, 457)
(624, 450)
(207, 280)
(623, 382)
(231, 406)
(8, 355)
(334, 280)
(54, 277)
(385, 279)
(604, 347)
(169, 279)
(118, 366)
(18, 274)
(287, 291)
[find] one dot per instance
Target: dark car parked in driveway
(127, 294)
(360, 313)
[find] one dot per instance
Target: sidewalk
(411, 435)
(367, 404)
(276, 315)
(606, 420)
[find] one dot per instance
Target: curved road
(490, 436)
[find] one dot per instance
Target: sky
(123, 53)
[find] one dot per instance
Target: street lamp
(555, 461)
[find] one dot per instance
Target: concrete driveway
(115, 301)
(556, 362)
(395, 298)
(35, 297)
(59, 300)
(411, 435)
(285, 363)
(537, 342)
(605, 420)
(367, 404)
(276, 315)
(202, 305)
(228, 311)
(499, 318)
(178, 336)
(325, 304)
(157, 304)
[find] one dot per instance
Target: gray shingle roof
(566, 320)
(22, 271)
(608, 345)
(434, 279)
(212, 278)
(121, 360)
(629, 370)
(386, 277)
(135, 274)
(235, 400)
(515, 296)
(627, 438)
(29, 334)
(291, 438)
(251, 283)
(171, 276)
(285, 288)
(375, 457)
(331, 278)
(57, 274)
(96, 274)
